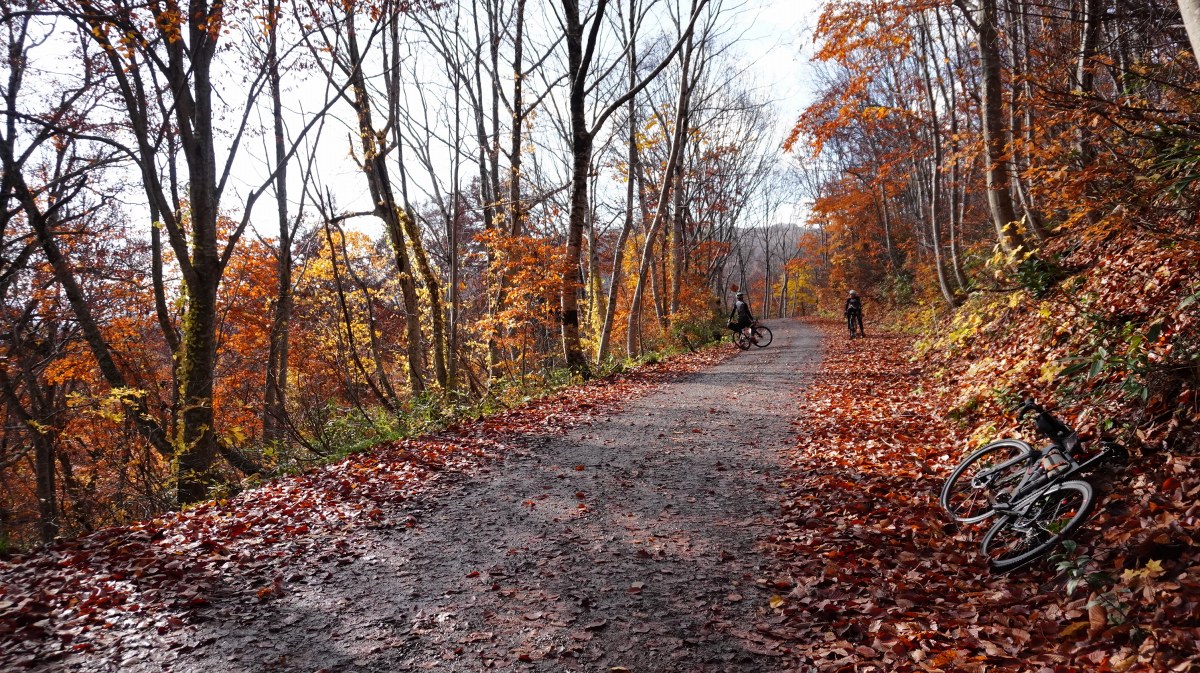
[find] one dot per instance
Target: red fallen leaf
(524, 656)
(636, 587)
(473, 573)
(579, 468)
(580, 495)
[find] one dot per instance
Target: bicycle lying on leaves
(755, 334)
(1033, 492)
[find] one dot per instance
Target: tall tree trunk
(996, 172)
(677, 237)
(1190, 9)
(516, 215)
(429, 277)
(1082, 87)
(1020, 115)
(678, 139)
(633, 169)
(956, 185)
(386, 208)
(935, 177)
(275, 393)
(578, 63)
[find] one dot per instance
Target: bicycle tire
(762, 336)
(970, 491)
(1048, 517)
(853, 321)
(741, 340)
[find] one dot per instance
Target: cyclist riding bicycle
(741, 319)
(853, 313)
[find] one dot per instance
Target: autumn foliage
(1094, 311)
(156, 572)
(876, 577)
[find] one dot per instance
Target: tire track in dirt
(626, 543)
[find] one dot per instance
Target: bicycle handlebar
(1027, 405)
(1047, 423)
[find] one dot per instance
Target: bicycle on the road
(756, 334)
(855, 322)
(1032, 491)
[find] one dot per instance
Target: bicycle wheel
(973, 486)
(1042, 522)
(762, 336)
(741, 340)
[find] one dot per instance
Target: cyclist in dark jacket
(741, 318)
(853, 313)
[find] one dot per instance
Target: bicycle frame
(1036, 477)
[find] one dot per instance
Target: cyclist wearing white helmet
(853, 313)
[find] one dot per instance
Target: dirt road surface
(628, 543)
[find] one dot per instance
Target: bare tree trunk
(429, 278)
(935, 178)
(679, 138)
(996, 172)
(275, 389)
(1082, 87)
(1190, 9)
(579, 62)
(386, 208)
(677, 235)
(634, 169)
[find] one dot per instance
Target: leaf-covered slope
(1107, 328)
(881, 580)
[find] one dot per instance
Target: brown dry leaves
(155, 574)
(882, 581)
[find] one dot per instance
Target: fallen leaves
(882, 583)
(155, 575)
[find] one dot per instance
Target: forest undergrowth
(882, 580)
(1103, 331)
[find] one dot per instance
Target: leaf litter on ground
(881, 580)
(157, 575)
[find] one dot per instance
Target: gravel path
(626, 544)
